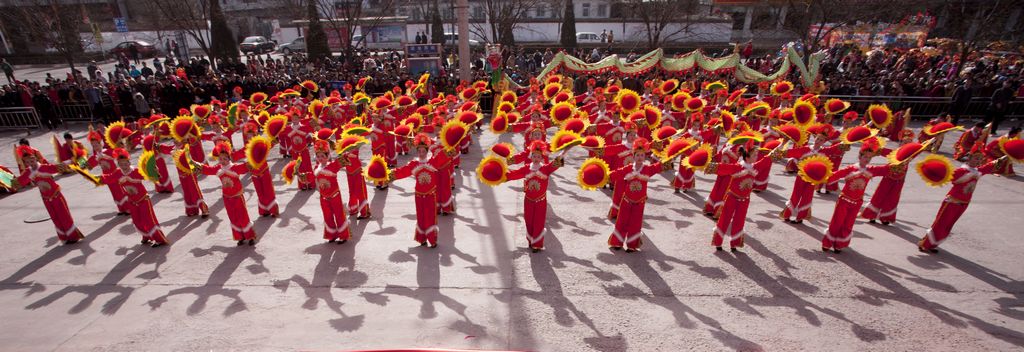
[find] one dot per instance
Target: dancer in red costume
(229, 174)
(141, 206)
(885, 200)
(799, 205)
(856, 178)
(298, 135)
(336, 225)
(535, 184)
(968, 139)
(262, 179)
(965, 179)
(425, 171)
(742, 176)
(716, 198)
(151, 143)
(633, 178)
(105, 159)
(358, 201)
(41, 175)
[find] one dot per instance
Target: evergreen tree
(222, 42)
(569, 26)
(316, 38)
(436, 25)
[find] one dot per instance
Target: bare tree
(51, 23)
(503, 16)
(189, 16)
(976, 23)
(665, 20)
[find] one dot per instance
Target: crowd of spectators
(131, 90)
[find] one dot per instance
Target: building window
(586, 9)
(478, 12)
(542, 11)
(602, 10)
(417, 14)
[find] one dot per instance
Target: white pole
(465, 57)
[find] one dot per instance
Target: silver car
(296, 46)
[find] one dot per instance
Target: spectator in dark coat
(961, 98)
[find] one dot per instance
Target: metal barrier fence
(19, 118)
(68, 113)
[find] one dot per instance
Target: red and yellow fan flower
(348, 142)
(403, 130)
(668, 86)
(404, 101)
(290, 93)
(907, 152)
(310, 86)
(563, 96)
(735, 96)
(452, 134)
(564, 139)
(940, 128)
(504, 150)
(513, 117)
(745, 137)
(492, 171)
(499, 124)
(793, 132)
(182, 161)
(714, 87)
(550, 90)
(361, 83)
(815, 169)
(576, 125)
(506, 107)
(509, 96)
(275, 125)
(380, 103)
(664, 133)
(857, 134)
(468, 117)
(469, 94)
(851, 116)
(879, 115)
(415, 121)
(804, 113)
(676, 148)
(771, 145)
(377, 170)
(257, 98)
(200, 111)
(728, 120)
(757, 108)
(678, 101)
(561, 112)
(628, 101)
(835, 105)
(786, 115)
(360, 98)
(1012, 148)
(147, 166)
(781, 87)
(257, 151)
(262, 117)
(936, 170)
(653, 115)
(290, 170)
(592, 142)
(699, 158)
(424, 78)
(593, 174)
(695, 104)
(316, 108)
(480, 85)
(553, 79)
(115, 132)
(355, 129)
(810, 98)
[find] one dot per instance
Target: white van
(587, 37)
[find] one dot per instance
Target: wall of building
(549, 32)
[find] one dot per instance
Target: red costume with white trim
(426, 173)
(105, 159)
(358, 201)
(141, 206)
(799, 204)
(628, 224)
(336, 225)
(856, 179)
(886, 198)
(234, 199)
(298, 136)
(742, 176)
(535, 205)
(716, 198)
(149, 143)
(965, 179)
(42, 177)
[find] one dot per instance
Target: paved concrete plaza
(482, 289)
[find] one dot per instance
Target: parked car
(256, 44)
(298, 45)
(453, 39)
(587, 37)
(146, 49)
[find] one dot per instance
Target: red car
(146, 49)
